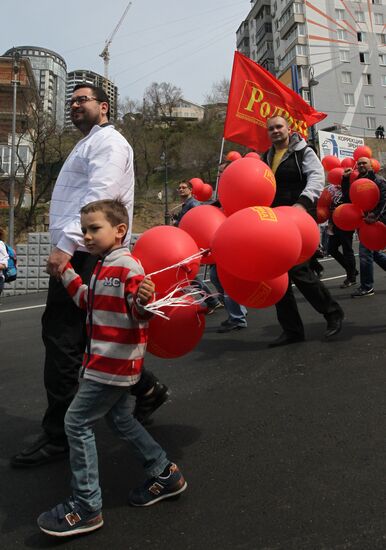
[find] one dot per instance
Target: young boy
(117, 337)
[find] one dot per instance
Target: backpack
(10, 272)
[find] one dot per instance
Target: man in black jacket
(368, 257)
(299, 183)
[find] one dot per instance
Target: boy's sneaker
(159, 488)
(212, 309)
(69, 519)
(347, 283)
(145, 405)
(362, 292)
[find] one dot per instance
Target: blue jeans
(237, 313)
(366, 260)
(92, 402)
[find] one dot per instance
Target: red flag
(256, 95)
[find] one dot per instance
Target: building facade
(27, 102)
(83, 75)
(50, 71)
(340, 48)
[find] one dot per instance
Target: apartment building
(337, 47)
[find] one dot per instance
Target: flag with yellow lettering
(255, 95)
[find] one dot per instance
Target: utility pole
(311, 84)
(164, 158)
(12, 182)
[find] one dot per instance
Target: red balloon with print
(257, 294)
(308, 228)
(163, 246)
(364, 193)
(178, 335)
(330, 162)
(246, 182)
(233, 155)
(376, 165)
(347, 217)
(373, 235)
(348, 162)
(362, 151)
(257, 243)
(205, 193)
(335, 176)
(202, 223)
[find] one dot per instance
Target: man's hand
(347, 171)
(370, 218)
(56, 262)
(145, 291)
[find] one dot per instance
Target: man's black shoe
(42, 451)
(229, 327)
(284, 339)
(145, 405)
(334, 325)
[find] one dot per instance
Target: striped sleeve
(75, 287)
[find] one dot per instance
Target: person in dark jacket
(299, 182)
(368, 257)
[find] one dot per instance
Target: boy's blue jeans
(92, 402)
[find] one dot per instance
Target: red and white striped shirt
(117, 327)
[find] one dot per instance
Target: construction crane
(105, 54)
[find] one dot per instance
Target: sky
(187, 43)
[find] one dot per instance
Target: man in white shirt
(99, 167)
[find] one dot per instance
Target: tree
(220, 92)
(160, 100)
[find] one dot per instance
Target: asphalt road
(282, 449)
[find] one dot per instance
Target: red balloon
(373, 235)
(364, 193)
(354, 175)
(257, 243)
(202, 223)
(376, 166)
(347, 217)
(178, 335)
(348, 162)
(253, 155)
(197, 185)
(325, 198)
(205, 194)
(308, 228)
(233, 155)
(329, 162)
(362, 151)
(322, 214)
(335, 176)
(258, 294)
(246, 182)
(163, 246)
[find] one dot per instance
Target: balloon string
(202, 252)
(180, 300)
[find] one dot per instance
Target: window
(378, 2)
(366, 78)
(384, 102)
(369, 100)
(364, 57)
(306, 95)
(344, 56)
(301, 50)
(370, 122)
(362, 36)
(348, 99)
(382, 59)
(378, 18)
(346, 78)
(298, 8)
(360, 16)
(383, 80)
(341, 34)
(278, 42)
(339, 15)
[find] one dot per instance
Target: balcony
(295, 18)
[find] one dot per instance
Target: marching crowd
(95, 322)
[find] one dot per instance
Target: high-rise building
(339, 48)
(83, 75)
(50, 71)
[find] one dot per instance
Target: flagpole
(218, 167)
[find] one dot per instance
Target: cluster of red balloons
(201, 191)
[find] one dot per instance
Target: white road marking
(20, 308)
